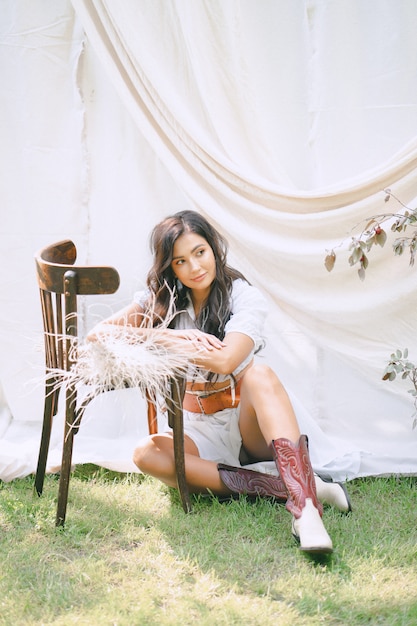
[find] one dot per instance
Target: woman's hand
(188, 340)
(201, 340)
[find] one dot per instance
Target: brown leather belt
(213, 402)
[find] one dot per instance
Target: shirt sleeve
(140, 297)
(249, 311)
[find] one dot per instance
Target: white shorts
(216, 436)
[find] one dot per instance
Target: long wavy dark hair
(165, 287)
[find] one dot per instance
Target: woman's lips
(198, 278)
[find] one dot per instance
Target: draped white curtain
(282, 121)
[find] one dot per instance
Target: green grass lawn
(130, 556)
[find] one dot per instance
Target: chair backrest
(60, 282)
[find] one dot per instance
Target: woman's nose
(195, 265)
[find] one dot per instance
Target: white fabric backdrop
(281, 121)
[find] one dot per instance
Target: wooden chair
(60, 283)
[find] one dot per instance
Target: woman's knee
(150, 452)
(261, 375)
(140, 454)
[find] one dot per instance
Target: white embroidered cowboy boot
(332, 493)
(293, 463)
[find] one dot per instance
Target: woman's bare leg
(266, 412)
(267, 417)
(156, 457)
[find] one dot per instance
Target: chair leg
(177, 425)
(152, 415)
(48, 413)
(68, 444)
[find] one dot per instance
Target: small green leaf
(356, 255)
(398, 247)
(370, 242)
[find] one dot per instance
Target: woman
(235, 410)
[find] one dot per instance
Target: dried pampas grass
(120, 359)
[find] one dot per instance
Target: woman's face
(193, 263)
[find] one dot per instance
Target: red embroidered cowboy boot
(251, 483)
(293, 463)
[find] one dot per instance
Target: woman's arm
(128, 321)
(236, 347)
(205, 350)
(130, 316)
